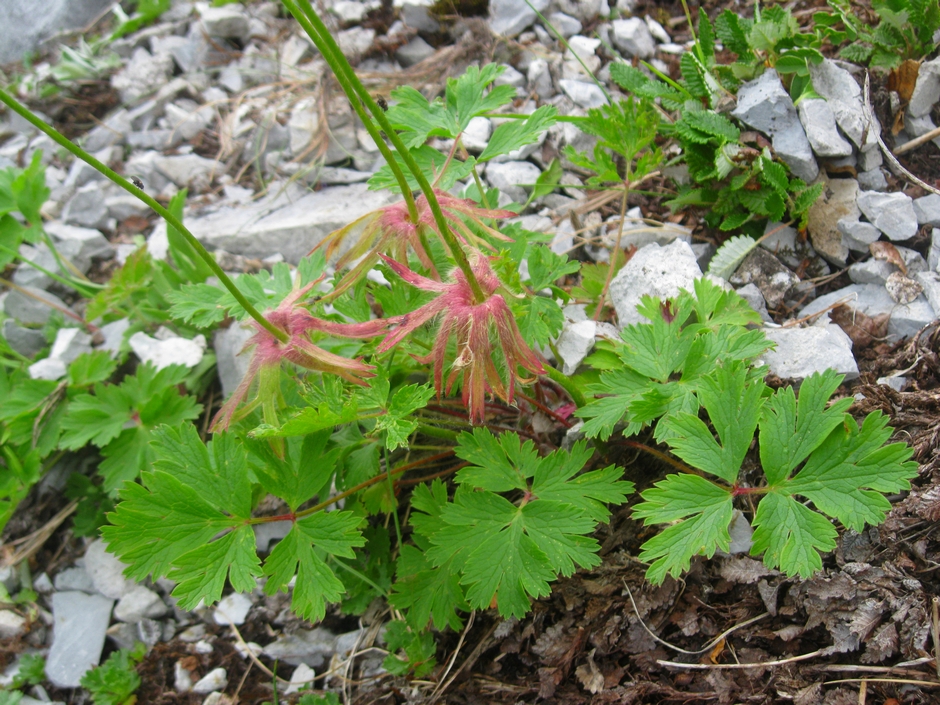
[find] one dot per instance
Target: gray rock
(140, 603)
(930, 281)
(927, 90)
(933, 254)
(25, 25)
(171, 350)
(25, 341)
(875, 271)
(12, 626)
(31, 305)
(291, 222)
(78, 636)
(574, 344)
(189, 170)
(800, 352)
(86, 208)
(304, 123)
(124, 206)
(513, 178)
(509, 17)
(872, 180)
(786, 244)
(413, 52)
(755, 299)
(188, 119)
(632, 36)
(113, 334)
(654, 270)
(355, 41)
(765, 105)
(27, 275)
(540, 79)
(416, 15)
(858, 235)
(510, 77)
(189, 53)
(840, 88)
(232, 609)
(566, 25)
(769, 275)
(927, 210)
(310, 646)
(75, 578)
(477, 134)
(50, 368)
(587, 95)
(870, 158)
(892, 213)
(873, 300)
(214, 680)
(837, 203)
(819, 122)
(228, 21)
(230, 78)
(301, 676)
(142, 75)
(106, 571)
(232, 366)
(69, 344)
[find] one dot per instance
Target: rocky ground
(233, 104)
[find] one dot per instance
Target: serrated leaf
(513, 134)
(734, 407)
(432, 163)
(201, 573)
(397, 422)
(790, 535)
(89, 368)
(336, 533)
(540, 320)
(730, 255)
(791, 430)
(431, 595)
(199, 304)
(546, 267)
(731, 33)
(705, 510)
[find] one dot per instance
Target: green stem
(352, 571)
(171, 220)
(77, 286)
(566, 383)
(391, 497)
(349, 89)
(339, 64)
(436, 432)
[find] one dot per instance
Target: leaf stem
(338, 62)
(171, 220)
(566, 383)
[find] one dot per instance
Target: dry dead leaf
(884, 643)
(590, 675)
(903, 79)
(902, 289)
(888, 252)
(861, 328)
(741, 569)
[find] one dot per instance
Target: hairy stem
(323, 39)
(577, 396)
(171, 220)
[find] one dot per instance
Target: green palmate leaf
(546, 267)
(432, 163)
(508, 553)
(548, 180)
(189, 518)
(513, 134)
(466, 96)
(791, 535)
(846, 476)
(417, 118)
(705, 510)
(790, 431)
(90, 368)
(398, 422)
(311, 419)
(198, 304)
(300, 553)
(734, 407)
(540, 320)
(428, 593)
(190, 265)
(300, 470)
(114, 681)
